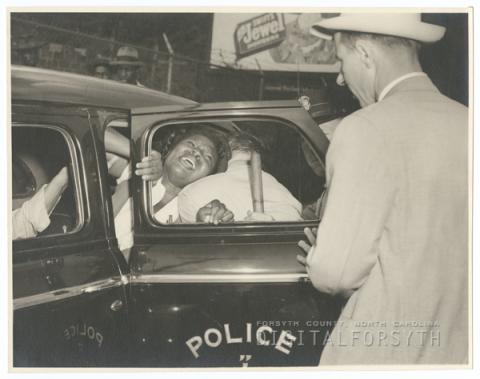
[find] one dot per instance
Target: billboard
(271, 42)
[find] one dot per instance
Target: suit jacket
(394, 235)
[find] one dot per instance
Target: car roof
(36, 84)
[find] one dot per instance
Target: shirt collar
(393, 83)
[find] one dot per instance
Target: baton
(257, 186)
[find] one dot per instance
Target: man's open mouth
(188, 163)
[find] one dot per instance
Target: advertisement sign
(271, 42)
(259, 33)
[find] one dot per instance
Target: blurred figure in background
(101, 68)
(126, 66)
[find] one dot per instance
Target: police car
(185, 295)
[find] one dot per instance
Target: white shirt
(31, 218)
(124, 219)
(233, 189)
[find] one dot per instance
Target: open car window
(292, 176)
(44, 189)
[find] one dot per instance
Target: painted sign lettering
(259, 33)
(83, 331)
(263, 336)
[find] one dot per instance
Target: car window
(44, 192)
(192, 190)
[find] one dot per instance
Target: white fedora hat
(406, 25)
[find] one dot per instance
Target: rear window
(44, 189)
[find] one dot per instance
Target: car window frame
(249, 228)
(78, 193)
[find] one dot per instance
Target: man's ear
(364, 51)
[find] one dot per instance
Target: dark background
(72, 41)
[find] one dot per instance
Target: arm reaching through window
(33, 216)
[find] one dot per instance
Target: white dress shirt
(233, 189)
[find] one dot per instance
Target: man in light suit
(394, 234)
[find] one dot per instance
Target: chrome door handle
(102, 285)
(116, 305)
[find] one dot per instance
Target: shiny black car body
(189, 295)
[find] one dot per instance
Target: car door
(69, 291)
(228, 295)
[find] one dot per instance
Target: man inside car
(232, 191)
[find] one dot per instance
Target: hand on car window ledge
(151, 167)
(215, 213)
(118, 148)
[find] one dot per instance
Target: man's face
(191, 159)
(102, 72)
(126, 74)
(354, 73)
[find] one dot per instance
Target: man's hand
(150, 168)
(305, 102)
(308, 246)
(215, 213)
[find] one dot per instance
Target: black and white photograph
(240, 189)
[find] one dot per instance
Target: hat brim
(126, 63)
(419, 31)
